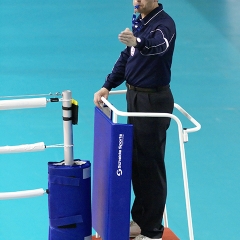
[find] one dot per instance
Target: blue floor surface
(51, 46)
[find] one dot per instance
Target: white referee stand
(39, 102)
(183, 137)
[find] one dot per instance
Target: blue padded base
(69, 201)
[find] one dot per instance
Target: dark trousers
(148, 169)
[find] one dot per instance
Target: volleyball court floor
(52, 46)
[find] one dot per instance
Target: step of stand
(167, 235)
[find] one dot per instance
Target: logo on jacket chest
(132, 51)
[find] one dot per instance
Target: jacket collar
(152, 14)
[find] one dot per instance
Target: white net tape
(35, 147)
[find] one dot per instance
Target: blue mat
(111, 178)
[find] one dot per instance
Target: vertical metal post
(67, 127)
(165, 217)
(114, 118)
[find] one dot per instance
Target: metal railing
(183, 137)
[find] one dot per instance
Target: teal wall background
(51, 46)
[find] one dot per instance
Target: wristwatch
(139, 40)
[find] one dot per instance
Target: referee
(145, 65)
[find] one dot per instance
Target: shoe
(135, 230)
(141, 237)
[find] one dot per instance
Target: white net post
(67, 127)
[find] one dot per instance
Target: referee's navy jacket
(147, 65)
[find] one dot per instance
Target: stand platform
(167, 235)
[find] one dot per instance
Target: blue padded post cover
(112, 169)
(69, 201)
